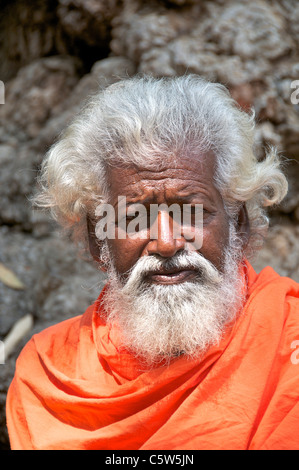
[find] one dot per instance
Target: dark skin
(188, 181)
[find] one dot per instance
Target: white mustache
(207, 272)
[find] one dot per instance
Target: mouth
(176, 276)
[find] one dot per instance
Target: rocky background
(54, 53)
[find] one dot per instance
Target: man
(186, 347)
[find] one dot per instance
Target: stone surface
(57, 52)
(28, 31)
(255, 30)
(281, 251)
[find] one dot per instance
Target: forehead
(183, 173)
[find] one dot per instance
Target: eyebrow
(182, 194)
(147, 201)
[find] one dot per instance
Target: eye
(196, 215)
(192, 213)
(137, 219)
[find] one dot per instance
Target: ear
(94, 243)
(243, 225)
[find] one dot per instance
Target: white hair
(147, 121)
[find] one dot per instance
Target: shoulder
(56, 345)
(274, 305)
(275, 286)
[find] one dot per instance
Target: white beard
(159, 322)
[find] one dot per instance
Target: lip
(168, 278)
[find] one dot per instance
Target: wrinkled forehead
(188, 168)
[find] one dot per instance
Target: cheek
(125, 253)
(215, 240)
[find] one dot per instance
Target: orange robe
(73, 390)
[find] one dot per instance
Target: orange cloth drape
(74, 390)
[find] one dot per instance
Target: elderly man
(186, 346)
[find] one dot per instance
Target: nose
(165, 240)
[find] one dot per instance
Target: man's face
(188, 181)
(166, 298)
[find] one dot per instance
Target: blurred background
(56, 52)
